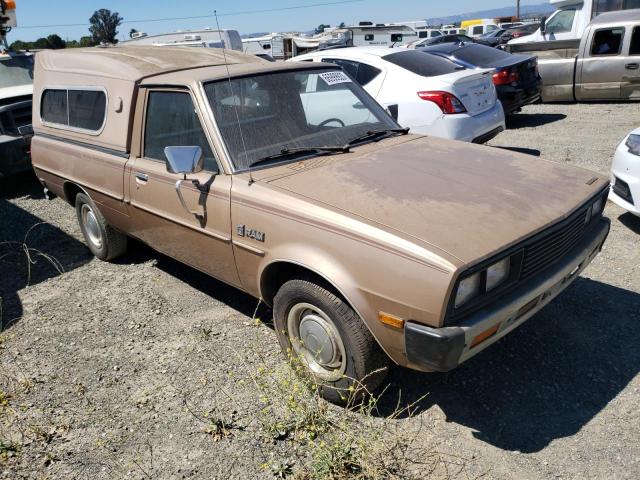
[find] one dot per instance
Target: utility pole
(518, 9)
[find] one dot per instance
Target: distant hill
(540, 9)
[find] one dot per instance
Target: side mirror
(184, 160)
(543, 24)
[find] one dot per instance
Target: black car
(516, 77)
(457, 38)
(517, 32)
(491, 39)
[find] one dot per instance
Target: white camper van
(207, 38)
(367, 34)
(571, 18)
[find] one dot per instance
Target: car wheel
(323, 334)
(104, 242)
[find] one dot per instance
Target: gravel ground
(145, 368)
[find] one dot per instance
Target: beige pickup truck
(369, 243)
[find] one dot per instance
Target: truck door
(601, 68)
(158, 217)
(630, 88)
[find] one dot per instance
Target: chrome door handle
(632, 66)
(143, 177)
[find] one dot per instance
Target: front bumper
(443, 349)
(14, 155)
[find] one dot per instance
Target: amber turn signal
(390, 320)
(485, 335)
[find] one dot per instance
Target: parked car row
(293, 184)
(449, 90)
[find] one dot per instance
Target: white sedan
(428, 94)
(625, 174)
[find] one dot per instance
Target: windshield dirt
(16, 71)
(263, 115)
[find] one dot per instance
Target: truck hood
(19, 91)
(467, 200)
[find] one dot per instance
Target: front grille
(531, 257)
(545, 251)
(622, 189)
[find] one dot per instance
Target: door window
(634, 49)
(172, 122)
(477, 30)
(368, 37)
(607, 42)
(361, 72)
(396, 37)
(561, 22)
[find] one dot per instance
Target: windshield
(262, 115)
(15, 71)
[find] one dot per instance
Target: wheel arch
(71, 190)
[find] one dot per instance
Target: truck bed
(554, 49)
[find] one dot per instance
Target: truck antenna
(235, 106)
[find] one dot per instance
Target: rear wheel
(103, 241)
(325, 335)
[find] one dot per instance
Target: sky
(232, 14)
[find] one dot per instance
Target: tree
(321, 28)
(104, 25)
(41, 44)
(20, 45)
(87, 42)
(342, 25)
(56, 42)
(131, 32)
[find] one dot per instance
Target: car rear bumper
(14, 155)
(514, 98)
(465, 127)
(443, 349)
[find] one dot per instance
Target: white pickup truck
(16, 88)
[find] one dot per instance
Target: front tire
(323, 333)
(104, 242)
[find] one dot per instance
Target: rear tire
(336, 349)
(104, 242)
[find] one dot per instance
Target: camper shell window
(83, 109)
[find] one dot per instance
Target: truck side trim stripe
(110, 151)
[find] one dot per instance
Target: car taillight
(447, 102)
(505, 77)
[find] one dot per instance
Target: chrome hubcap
(317, 342)
(91, 226)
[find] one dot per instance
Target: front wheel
(330, 340)
(103, 241)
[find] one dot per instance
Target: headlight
(468, 289)
(633, 144)
(498, 273)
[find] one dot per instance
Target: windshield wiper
(373, 134)
(288, 152)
